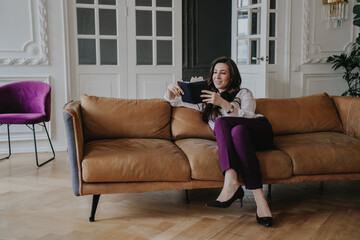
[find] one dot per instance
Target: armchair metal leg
(8, 132)
(93, 207)
(36, 154)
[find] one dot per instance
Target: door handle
(260, 58)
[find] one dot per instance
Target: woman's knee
(221, 122)
(239, 130)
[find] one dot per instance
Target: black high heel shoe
(239, 194)
(265, 221)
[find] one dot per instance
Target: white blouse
(245, 109)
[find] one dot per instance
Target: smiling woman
(221, 76)
(230, 112)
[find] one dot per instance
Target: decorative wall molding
(331, 83)
(314, 52)
(306, 32)
(35, 52)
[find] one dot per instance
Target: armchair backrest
(26, 97)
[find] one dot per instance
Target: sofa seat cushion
(204, 160)
(321, 153)
(134, 160)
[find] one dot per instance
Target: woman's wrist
(169, 95)
(226, 106)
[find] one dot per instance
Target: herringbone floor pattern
(37, 203)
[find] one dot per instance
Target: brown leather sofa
(122, 146)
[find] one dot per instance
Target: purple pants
(237, 139)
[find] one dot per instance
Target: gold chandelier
(336, 10)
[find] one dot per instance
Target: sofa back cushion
(105, 117)
(187, 123)
(316, 113)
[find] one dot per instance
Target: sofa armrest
(349, 111)
(75, 142)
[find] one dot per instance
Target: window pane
(272, 4)
(242, 53)
(163, 23)
(164, 3)
(272, 24)
(85, 1)
(144, 52)
(108, 52)
(254, 52)
(85, 21)
(255, 1)
(107, 2)
(243, 3)
(87, 51)
(107, 21)
(255, 21)
(164, 52)
(143, 3)
(243, 19)
(271, 52)
(143, 23)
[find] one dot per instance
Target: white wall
(32, 47)
(312, 41)
(26, 54)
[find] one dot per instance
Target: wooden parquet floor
(37, 203)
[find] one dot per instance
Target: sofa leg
(269, 192)
(187, 201)
(94, 206)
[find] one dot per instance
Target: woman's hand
(217, 100)
(212, 97)
(174, 90)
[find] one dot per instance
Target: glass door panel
(87, 51)
(85, 1)
(154, 32)
(255, 51)
(250, 43)
(242, 51)
(97, 32)
(243, 22)
(107, 21)
(143, 3)
(272, 32)
(144, 52)
(86, 21)
(108, 55)
(255, 21)
(163, 23)
(164, 52)
(164, 3)
(144, 23)
(248, 31)
(107, 2)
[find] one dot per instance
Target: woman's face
(221, 76)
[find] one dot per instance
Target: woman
(230, 112)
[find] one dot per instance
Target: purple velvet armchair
(28, 103)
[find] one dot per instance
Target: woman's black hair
(211, 112)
